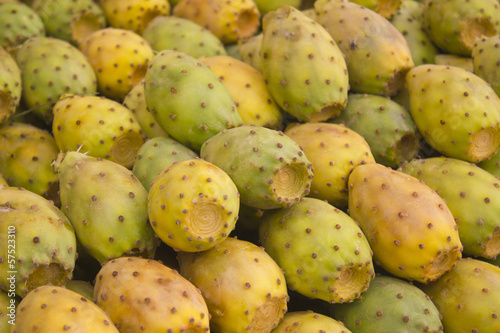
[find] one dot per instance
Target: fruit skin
(193, 205)
(42, 238)
(468, 297)
(485, 55)
(145, 295)
(244, 288)
(10, 86)
(321, 249)
(492, 165)
(304, 67)
(8, 306)
(457, 112)
(454, 60)
(471, 194)
(89, 184)
(187, 99)
(249, 51)
(269, 169)
(385, 8)
(307, 322)
(376, 53)
(390, 305)
(410, 229)
(266, 6)
(3, 182)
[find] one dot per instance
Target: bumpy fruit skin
(456, 111)
(410, 229)
(390, 305)
(269, 169)
(230, 21)
(57, 309)
(244, 288)
(334, 151)
(193, 205)
(98, 126)
(119, 58)
(42, 238)
(471, 194)
(321, 249)
(304, 68)
(309, 321)
(145, 295)
(107, 206)
(376, 53)
(492, 165)
(187, 99)
(249, 51)
(468, 297)
(485, 55)
(386, 8)
(10, 86)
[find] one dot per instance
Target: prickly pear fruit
(473, 200)
(157, 154)
(266, 6)
(98, 126)
(83, 288)
(386, 126)
(309, 321)
(486, 59)
(390, 305)
(8, 305)
(3, 182)
(492, 165)
(38, 244)
(409, 227)
(385, 8)
(107, 206)
(145, 295)
(244, 288)
(334, 151)
(269, 169)
(304, 68)
(10, 86)
(456, 111)
(249, 51)
(454, 60)
(468, 297)
(187, 99)
(376, 53)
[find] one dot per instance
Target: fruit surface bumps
(410, 229)
(485, 56)
(10, 86)
(309, 321)
(249, 51)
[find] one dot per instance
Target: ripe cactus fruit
(456, 111)
(385, 8)
(145, 295)
(187, 99)
(119, 58)
(309, 321)
(248, 87)
(321, 249)
(42, 238)
(334, 151)
(386, 126)
(249, 51)
(98, 126)
(230, 21)
(454, 60)
(83, 288)
(244, 288)
(10, 86)
(486, 59)
(122, 227)
(468, 297)
(492, 165)
(473, 200)
(269, 169)
(376, 53)
(390, 305)
(409, 227)
(304, 68)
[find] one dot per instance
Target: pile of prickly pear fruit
(259, 166)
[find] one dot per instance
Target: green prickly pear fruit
(492, 165)
(181, 34)
(410, 229)
(83, 288)
(386, 126)
(249, 51)
(485, 57)
(322, 250)
(187, 99)
(107, 206)
(38, 244)
(248, 87)
(8, 305)
(456, 111)
(390, 305)
(145, 295)
(57, 309)
(385, 8)
(455, 60)
(266, 6)
(468, 297)
(10, 86)
(269, 169)
(244, 288)
(473, 200)
(157, 154)
(304, 68)
(334, 151)
(377, 54)
(193, 205)
(50, 68)
(98, 126)
(309, 321)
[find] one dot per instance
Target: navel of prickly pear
(409, 227)
(486, 60)
(386, 8)
(456, 111)
(10, 86)
(309, 321)
(304, 68)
